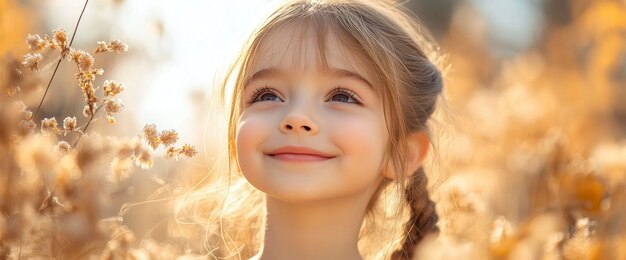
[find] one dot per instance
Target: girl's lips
(291, 157)
(299, 154)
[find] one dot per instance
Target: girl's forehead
(296, 50)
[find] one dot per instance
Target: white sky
(202, 38)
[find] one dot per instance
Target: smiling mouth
(294, 157)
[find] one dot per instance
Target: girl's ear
(418, 143)
(417, 148)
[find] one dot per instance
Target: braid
(423, 218)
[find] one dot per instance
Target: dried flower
(114, 46)
(127, 148)
(27, 126)
(32, 60)
(102, 47)
(63, 146)
(117, 46)
(172, 152)
(85, 79)
(89, 110)
(188, 151)
(150, 134)
(83, 60)
(49, 125)
(69, 124)
(59, 40)
(168, 137)
(112, 105)
(144, 160)
(111, 120)
(26, 114)
(112, 88)
(35, 43)
(59, 37)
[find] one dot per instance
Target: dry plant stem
(86, 126)
(59, 62)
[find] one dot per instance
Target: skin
(314, 208)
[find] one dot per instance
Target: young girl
(328, 107)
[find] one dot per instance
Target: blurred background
(535, 89)
(178, 51)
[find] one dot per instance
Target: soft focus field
(531, 158)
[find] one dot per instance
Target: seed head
(83, 60)
(112, 106)
(27, 126)
(32, 60)
(89, 110)
(112, 88)
(114, 46)
(49, 125)
(35, 43)
(150, 134)
(117, 46)
(144, 160)
(59, 41)
(63, 146)
(172, 152)
(102, 47)
(25, 113)
(69, 124)
(188, 151)
(168, 137)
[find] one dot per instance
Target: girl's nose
(298, 124)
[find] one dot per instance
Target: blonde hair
(398, 52)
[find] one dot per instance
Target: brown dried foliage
(55, 198)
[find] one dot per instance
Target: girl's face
(305, 133)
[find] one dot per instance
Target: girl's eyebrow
(340, 73)
(264, 73)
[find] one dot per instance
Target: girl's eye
(264, 94)
(343, 95)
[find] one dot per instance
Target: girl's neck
(315, 230)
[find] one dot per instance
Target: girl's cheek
(358, 133)
(249, 133)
